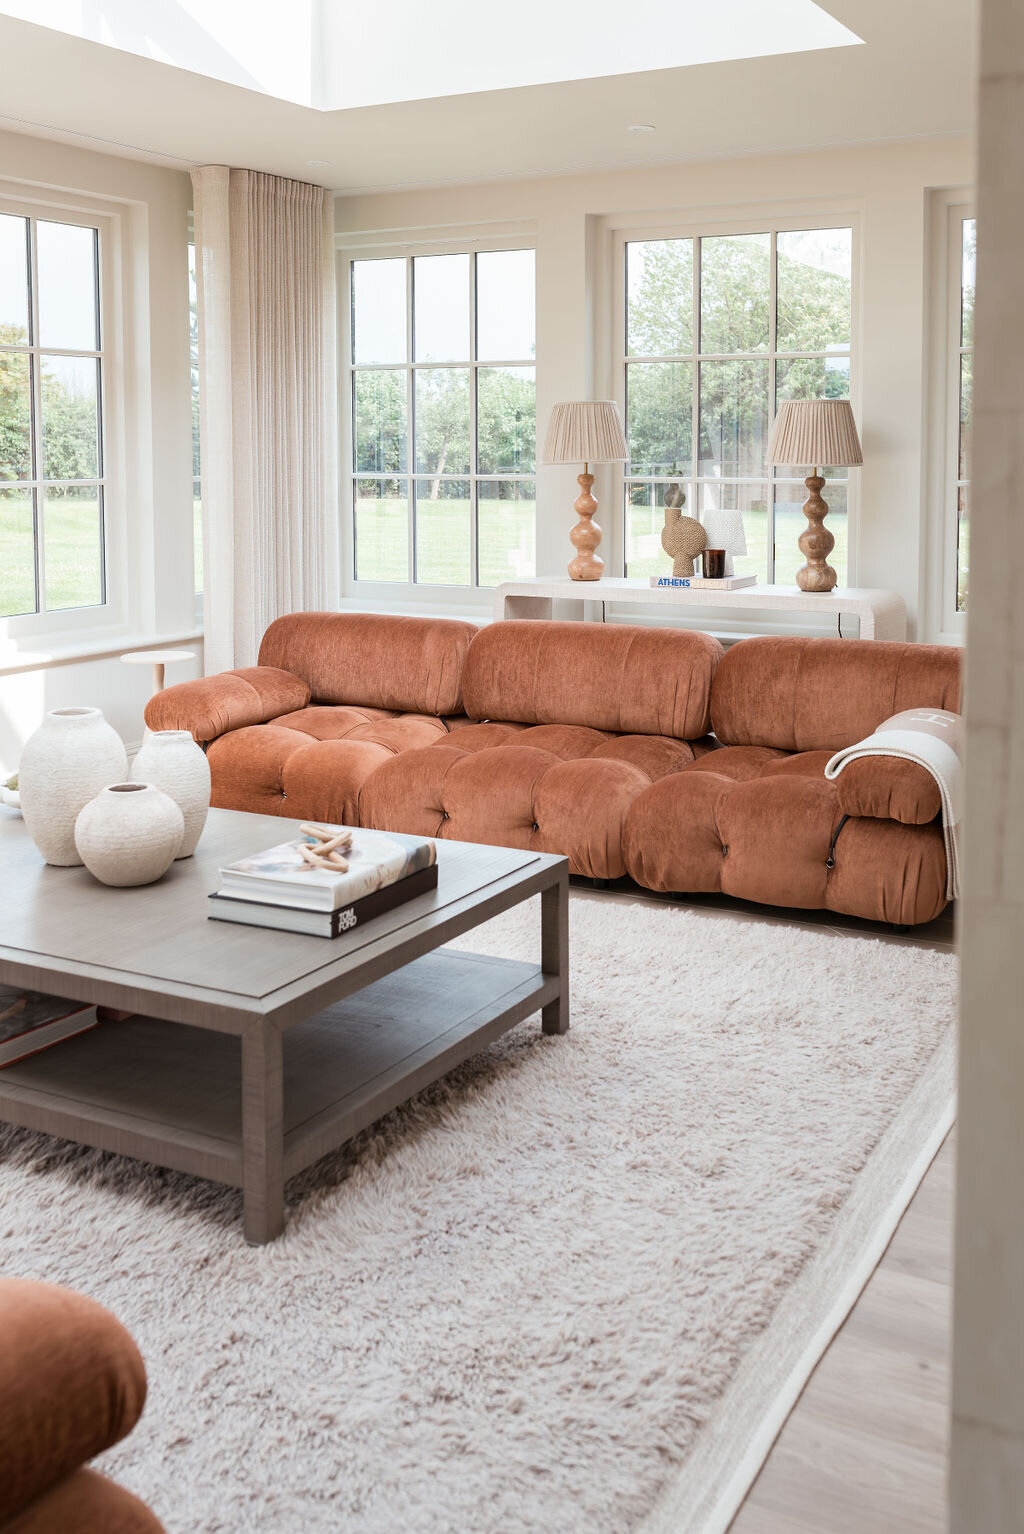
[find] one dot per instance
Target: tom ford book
(280, 877)
(30, 1021)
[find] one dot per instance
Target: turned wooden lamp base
(586, 535)
(815, 542)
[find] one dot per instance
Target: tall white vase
(73, 754)
(129, 834)
(171, 760)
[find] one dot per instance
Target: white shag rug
(574, 1287)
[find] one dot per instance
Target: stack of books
(31, 1021)
(280, 888)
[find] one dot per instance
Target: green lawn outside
(507, 540)
(72, 549)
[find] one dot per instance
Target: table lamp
(586, 431)
(815, 433)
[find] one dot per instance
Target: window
(51, 410)
(966, 233)
(197, 491)
(443, 398)
(718, 329)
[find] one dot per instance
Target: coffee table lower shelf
(172, 1093)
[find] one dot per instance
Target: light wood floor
(864, 1450)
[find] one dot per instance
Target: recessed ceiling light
(318, 162)
(640, 128)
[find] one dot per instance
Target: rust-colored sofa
(71, 1385)
(593, 741)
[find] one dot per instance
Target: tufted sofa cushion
(606, 677)
(213, 705)
(412, 665)
(311, 763)
(762, 824)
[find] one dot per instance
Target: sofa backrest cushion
(410, 664)
(636, 681)
(823, 694)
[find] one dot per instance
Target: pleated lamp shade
(815, 433)
(585, 431)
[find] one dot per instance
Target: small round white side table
(158, 659)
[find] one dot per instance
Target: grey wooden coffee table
(254, 1052)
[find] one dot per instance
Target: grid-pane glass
(442, 421)
(506, 420)
(733, 418)
(378, 311)
(790, 522)
(968, 259)
(459, 415)
(68, 387)
(813, 287)
(507, 522)
(381, 529)
(444, 532)
(659, 417)
(52, 527)
(14, 303)
(441, 308)
(73, 546)
(659, 298)
(966, 397)
(68, 311)
(506, 318)
(963, 532)
(735, 286)
(17, 553)
(730, 279)
(812, 378)
(197, 535)
(381, 425)
(15, 415)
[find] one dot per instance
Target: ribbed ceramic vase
(73, 754)
(171, 760)
(129, 834)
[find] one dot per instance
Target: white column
(987, 1478)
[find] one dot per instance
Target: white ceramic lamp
(813, 433)
(586, 431)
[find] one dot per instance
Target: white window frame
(693, 225)
(944, 624)
(392, 596)
(117, 608)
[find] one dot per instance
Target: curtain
(266, 295)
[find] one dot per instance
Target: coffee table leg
(554, 951)
(262, 1133)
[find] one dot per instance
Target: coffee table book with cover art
(279, 889)
(31, 1021)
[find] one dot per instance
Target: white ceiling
(912, 77)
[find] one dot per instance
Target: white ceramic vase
(171, 760)
(129, 834)
(73, 754)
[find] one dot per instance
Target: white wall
(152, 525)
(885, 187)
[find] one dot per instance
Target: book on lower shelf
(688, 582)
(278, 889)
(31, 1021)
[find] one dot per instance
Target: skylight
(332, 55)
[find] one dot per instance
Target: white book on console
(281, 876)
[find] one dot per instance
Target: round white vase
(73, 754)
(172, 761)
(129, 834)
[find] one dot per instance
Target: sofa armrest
(888, 788)
(71, 1384)
(213, 705)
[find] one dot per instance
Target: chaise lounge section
(593, 741)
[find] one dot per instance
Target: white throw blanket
(931, 737)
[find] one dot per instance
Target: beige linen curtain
(266, 295)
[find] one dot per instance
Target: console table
(882, 614)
